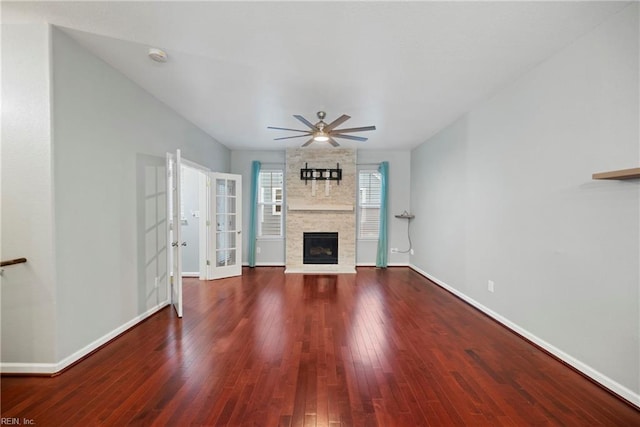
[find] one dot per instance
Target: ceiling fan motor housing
(323, 132)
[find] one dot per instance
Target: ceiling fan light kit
(323, 132)
(321, 137)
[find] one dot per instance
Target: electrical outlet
(411, 252)
(490, 286)
(258, 250)
(155, 285)
(394, 250)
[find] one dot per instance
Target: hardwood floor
(383, 347)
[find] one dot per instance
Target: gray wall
(109, 154)
(506, 194)
(271, 249)
(399, 201)
(191, 224)
(28, 290)
(83, 197)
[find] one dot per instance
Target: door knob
(184, 243)
(174, 244)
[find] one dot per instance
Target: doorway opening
(193, 217)
(210, 198)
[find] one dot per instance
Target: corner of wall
(599, 377)
(28, 290)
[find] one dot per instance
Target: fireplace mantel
(305, 206)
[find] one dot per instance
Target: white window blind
(270, 198)
(369, 187)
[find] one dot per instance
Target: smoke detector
(157, 55)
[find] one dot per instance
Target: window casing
(369, 190)
(270, 202)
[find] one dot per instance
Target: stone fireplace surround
(320, 206)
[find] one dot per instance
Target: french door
(174, 235)
(225, 230)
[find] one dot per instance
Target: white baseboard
(52, 368)
(266, 264)
(391, 264)
(29, 368)
(191, 274)
(587, 370)
(362, 264)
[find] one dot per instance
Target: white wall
(399, 201)
(271, 250)
(28, 290)
(506, 194)
(107, 241)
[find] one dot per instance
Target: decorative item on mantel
(316, 174)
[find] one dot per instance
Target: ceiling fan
(323, 132)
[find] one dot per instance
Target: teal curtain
(383, 250)
(253, 212)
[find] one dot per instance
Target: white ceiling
(234, 68)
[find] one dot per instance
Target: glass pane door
(225, 223)
(226, 214)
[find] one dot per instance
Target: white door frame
(203, 194)
(234, 268)
(174, 242)
(203, 206)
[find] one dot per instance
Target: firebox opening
(320, 248)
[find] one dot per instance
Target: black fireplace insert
(320, 248)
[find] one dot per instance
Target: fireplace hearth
(320, 248)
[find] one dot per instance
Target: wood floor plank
(383, 347)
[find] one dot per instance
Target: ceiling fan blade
(289, 137)
(307, 143)
(337, 122)
(305, 121)
(361, 129)
(355, 138)
(333, 142)
(295, 130)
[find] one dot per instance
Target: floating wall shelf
(406, 216)
(633, 173)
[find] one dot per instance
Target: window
(369, 188)
(270, 198)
